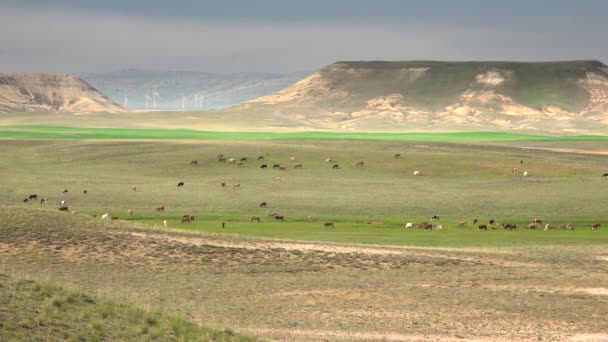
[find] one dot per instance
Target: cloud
(61, 40)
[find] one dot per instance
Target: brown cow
(482, 226)
(531, 226)
(515, 170)
(595, 226)
(240, 164)
(74, 212)
(130, 212)
(537, 220)
(397, 155)
(134, 188)
(360, 164)
(298, 166)
(194, 162)
(425, 225)
(114, 218)
(236, 185)
(462, 224)
(160, 208)
(510, 226)
(255, 218)
(279, 217)
(187, 218)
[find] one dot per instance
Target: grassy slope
(57, 132)
(38, 311)
(532, 84)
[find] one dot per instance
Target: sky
(283, 35)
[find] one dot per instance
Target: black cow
(263, 205)
(63, 209)
(435, 217)
(261, 158)
(64, 191)
(336, 166)
(85, 192)
(605, 175)
(475, 221)
(26, 200)
(244, 159)
(44, 200)
(263, 166)
(328, 224)
(276, 166)
(180, 184)
(33, 197)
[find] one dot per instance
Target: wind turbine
(154, 95)
(183, 102)
(148, 99)
(126, 100)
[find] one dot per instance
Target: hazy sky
(284, 35)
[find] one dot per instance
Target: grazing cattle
(510, 226)
(114, 218)
(309, 218)
(263, 205)
(360, 164)
(260, 157)
(231, 161)
(74, 212)
(160, 208)
(223, 184)
(244, 159)
(547, 227)
(525, 173)
(165, 223)
(240, 164)
(605, 175)
(272, 214)
(375, 222)
(85, 192)
(462, 224)
(491, 221)
(26, 200)
(221, 155)
(409, 225)
(396, 156)
(33, 197)
(435, 217)
(439, 227)
(221, 160)
(187, 218)
(569, 227)
(328, 224)
(521, 161)
(44, 200)
(180, 184)
(475, 221)
(532, 225)
(63, 209)
(482, 227)
(263, 166)
(63, 202)
(279, 217)
(105, 216)
(194, 162)
(276, 166)
(130, 212)
(236, 185)
(336, 166)
(134, 188)
(64, 192)
(277, 179)
(515, 170)
(282, 167)
(425, 226)
(595, 226)
(329, 160)
(292, 158)
(416, 173)
(298, 166)
(537, 220)
(255, 218)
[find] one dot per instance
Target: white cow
(105, 216)
(439, 227)
(63, 202)
(525, 173)
(277, 179)
(292, 158)
(416, 173)
(165, 223)
(409, 225)
(329, 160)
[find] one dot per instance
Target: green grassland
(77, 133)
(459, 181)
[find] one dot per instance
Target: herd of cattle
(534, 224)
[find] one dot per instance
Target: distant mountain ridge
(180, 89)
(38, 92)
(569, 96)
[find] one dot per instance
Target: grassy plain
(297, 280)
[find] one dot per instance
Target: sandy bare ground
(566, 150)
(441, 253)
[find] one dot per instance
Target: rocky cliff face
(552, 96)
(29, 92)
